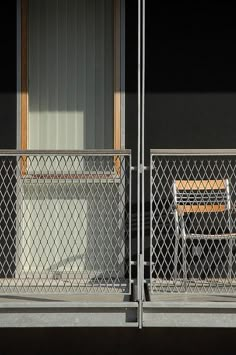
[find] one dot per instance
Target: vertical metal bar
(176, 233)
(138, 149)
(140, 180)
(185, 275)
(230, 242)
(130, 219)
(139, 171)
(143, 147)
(184, 251)
(151, 219)
(230, 258)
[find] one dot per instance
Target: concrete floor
(193, 298)
(64, 298)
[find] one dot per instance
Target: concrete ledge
(66, 314)
(189, 314)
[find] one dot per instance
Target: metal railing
(193, 221)
(65, 222)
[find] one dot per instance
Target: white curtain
(71, 59)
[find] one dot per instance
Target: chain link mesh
(65, 223)
(193, 223)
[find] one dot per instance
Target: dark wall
(7, 136)
(190, 75)
(8, 75)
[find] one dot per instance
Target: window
(70, 74)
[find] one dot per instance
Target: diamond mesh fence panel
(65, 222)
(193, 223)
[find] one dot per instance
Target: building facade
(117, 165)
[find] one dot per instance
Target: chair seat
(211, 236)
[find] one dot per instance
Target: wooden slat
(188, 185)
(200, 208)
(24, 81)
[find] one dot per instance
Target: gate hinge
(143, 168)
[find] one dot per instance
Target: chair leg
(230, 258)
(176, 257)
(184, 263)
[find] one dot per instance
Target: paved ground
(118, 341)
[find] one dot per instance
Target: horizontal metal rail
(193, 221)
(85, 152)
(193, 152)
(65, 222)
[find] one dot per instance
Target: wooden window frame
(24, 75)
(117, 76)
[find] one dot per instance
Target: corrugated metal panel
(70, 74)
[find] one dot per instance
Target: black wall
(190, 75)
(8, 75)
(7, 136)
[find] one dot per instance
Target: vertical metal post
(141, 155)
(139, 169)
(138, 148)
(143, 147)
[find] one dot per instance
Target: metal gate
(193, 224)
(65, 222)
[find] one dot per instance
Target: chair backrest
(199, 196)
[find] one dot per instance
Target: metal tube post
(138, 149)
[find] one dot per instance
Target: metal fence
(193, 221)
(65, 222)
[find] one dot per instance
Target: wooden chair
(200, 196)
